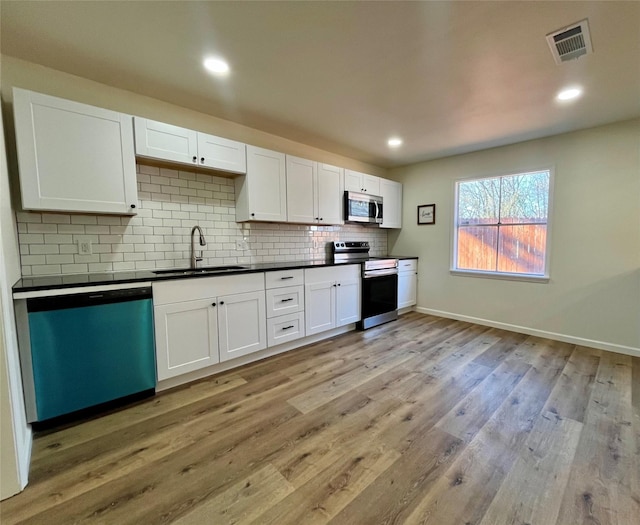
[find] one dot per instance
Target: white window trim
(534, 278)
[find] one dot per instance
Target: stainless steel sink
(190, 271)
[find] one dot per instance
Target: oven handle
(370, 274)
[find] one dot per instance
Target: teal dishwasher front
(88, 349)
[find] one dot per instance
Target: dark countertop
(53, 282)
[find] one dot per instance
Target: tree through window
(501, 224)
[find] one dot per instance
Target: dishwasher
(81, 350)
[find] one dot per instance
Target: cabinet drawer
(285, 328)
(282, 278)
(285, 300)
(205, 287)
(407, 265)
(332, 273)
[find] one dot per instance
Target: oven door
(379, 292)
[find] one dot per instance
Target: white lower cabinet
(186, 337)
(201, 322)
(348, 300)
(285, 306)
(332, 297)
(285, 328)
(242, 324)
(320, 306)
(407, 282)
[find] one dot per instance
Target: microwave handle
(378, 214)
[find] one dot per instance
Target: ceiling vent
(570, 42)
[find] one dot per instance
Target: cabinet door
(243, 324)
(329, 187)
(361, 182)
(158, 140)
(319, 307)
(301, 174)
(371, 184)
(407, 289)
(282, 301)
(348, 301)
(391, 192)
(353, 181)
(74, 157)
(285, 328)
(266, 183)
(186, 337)
(221, 154)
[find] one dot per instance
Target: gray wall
(593, 297)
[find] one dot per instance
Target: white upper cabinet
(261, 194)
(221, 154)
(74, 157)
(361, 182)
(158, 140)
(329, 188)
(301, 194)
(391, 193)
(314, 192)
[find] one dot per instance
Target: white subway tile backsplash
(35, 249)
(148, 170)
(25, 216)
(56, 218)
(75, 268)
(59, 259)
(42, 228)
(55, 238)
(171, 203)
(84, 219)
(71, 228)
(32, 259)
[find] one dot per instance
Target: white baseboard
(600, 345)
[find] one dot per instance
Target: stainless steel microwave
(362, 208)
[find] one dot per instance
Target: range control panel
(347, 246)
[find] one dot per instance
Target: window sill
(502, 276)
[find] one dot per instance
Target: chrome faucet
(203, 242)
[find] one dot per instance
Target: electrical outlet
(241, 244)
(84, 247)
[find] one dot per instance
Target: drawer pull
(285, 278)
(288, 327)
(286, 300)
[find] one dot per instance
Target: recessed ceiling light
(217, 66)
(569, 93)
(394, 142)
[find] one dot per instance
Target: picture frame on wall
(427, 214)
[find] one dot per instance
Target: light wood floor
(424, 420)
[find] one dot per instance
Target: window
(501, 225)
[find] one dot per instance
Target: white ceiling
(448, 77)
